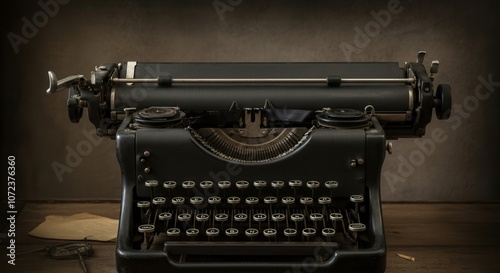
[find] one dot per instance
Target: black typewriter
(254, 167)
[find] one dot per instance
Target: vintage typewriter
(254, 167)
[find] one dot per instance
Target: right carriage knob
(442, 101)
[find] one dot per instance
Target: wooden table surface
(441, 237)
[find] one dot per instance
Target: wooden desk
(444, 238)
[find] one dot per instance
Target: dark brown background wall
(463, 35)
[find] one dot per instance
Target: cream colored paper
(77, 227)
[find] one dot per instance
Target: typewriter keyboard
(251, 211)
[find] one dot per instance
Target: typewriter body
(253, 167)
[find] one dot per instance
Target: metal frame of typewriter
(254, 139)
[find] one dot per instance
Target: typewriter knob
(192, 232)
(324, 200)
(251, 232)
(331, 184)
(147, 228)
(252, 200)
(277, 184)
(224, 184)
(165, 216)
(442, 101)
(259, 217)
(240, 217)
(270, 200)
(242, 184)
(357, 227)
(143, 204)
(173, 232)
(214, 200)
(270, 232)
(196, 200)
(159, 201)
(206, 184)
(221, 217)
(231, 232)
(306, 200)
(233, 200)
(290, 232)
(308, 232)
(202, 217)
(297, 217)
(328, 232)
(278, 217)
(169, 184)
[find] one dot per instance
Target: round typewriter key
(270, 200)
(184, 217)
(173, 232)
(146, 228)
(240, 217)
(356, 198)
(336, 216)
(278, 217)
(252, 200)
(259, 217)
(233, 200)
(206, 184)
(324, 200)
(143, 204)
(251, 232)
(165, 216)
(297, 217)
(151, 183)
(188, 184)
(196, 200)
(192, 232)
(331, 184)
(288, 200)
(178, 200)
(214, 200)
(242, 184)
(270, 232)
(202, 217)
(328, 232)
(224, 184)
(260, 183)
(277, 184)
(212, 232)
(356, 227)
(295, 183)
(316, 217)
(159, 201)
(290, 232)
(169, 185)
(306, 200)
(308, 232)
(312, 184)
(221, 217)
(231, 232)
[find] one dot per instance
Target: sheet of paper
(77, 227)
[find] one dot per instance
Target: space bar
(247, 248)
